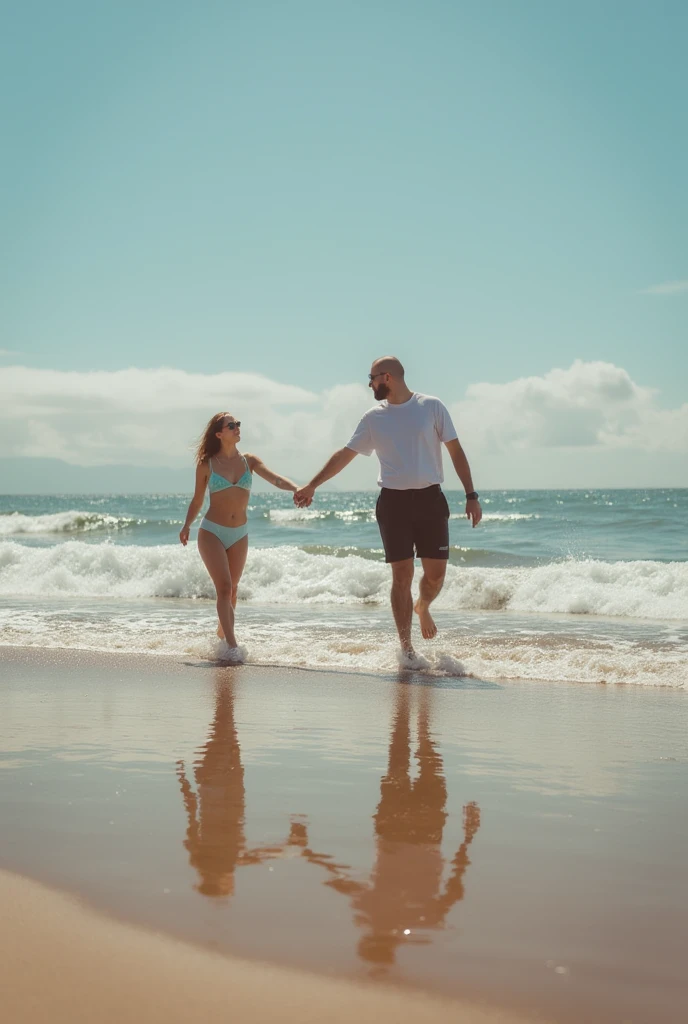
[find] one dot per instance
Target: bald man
(406, 431)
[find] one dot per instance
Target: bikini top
(221, 483)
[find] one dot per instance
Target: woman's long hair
(209, 444)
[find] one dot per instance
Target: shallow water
(582, 586)
(491, 645)
(524, 842)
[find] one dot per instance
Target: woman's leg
(212, 551)
(236, 560)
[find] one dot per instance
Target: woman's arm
(202, 475)
(257, 465)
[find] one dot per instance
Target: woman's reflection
(406, 894)
(216, 811)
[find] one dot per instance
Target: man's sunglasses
(232, 425)
(372, 376)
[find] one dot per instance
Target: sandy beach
(109, 972)
(338, 336)
(337, 843)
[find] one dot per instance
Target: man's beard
(381, 392)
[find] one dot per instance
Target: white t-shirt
(407, 439)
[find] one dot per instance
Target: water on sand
(523, 843)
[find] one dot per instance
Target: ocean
(574, 586)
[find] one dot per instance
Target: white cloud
(8, 352)
(591, 405)
(668, 288)
(569, 427)
(135, 390)
(153, 417)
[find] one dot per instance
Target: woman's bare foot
(233, 655)
(427, 623)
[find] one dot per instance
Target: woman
(223, 533)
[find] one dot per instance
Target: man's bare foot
(427, 623)
(409, 660)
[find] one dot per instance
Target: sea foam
(357, 641)
(286, 574)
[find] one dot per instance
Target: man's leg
(434, 570)
(393, 514)
(431, 536)
(402, 602)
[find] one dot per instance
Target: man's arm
(463, 471)
(335, 464)
(454, 890)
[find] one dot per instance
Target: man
(406, 431)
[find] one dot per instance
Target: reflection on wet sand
(216, 812)
(406, 895)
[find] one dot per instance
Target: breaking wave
(284, 575)
(14, 524)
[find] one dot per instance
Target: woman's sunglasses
(233, 425)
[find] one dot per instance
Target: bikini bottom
(227, 535)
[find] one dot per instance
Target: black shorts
(413, 523)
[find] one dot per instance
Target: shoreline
(433, 676)
(109, 971)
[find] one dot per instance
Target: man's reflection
(406, 892)
(216, 812)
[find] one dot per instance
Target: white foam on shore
(284, 575)
(368, 645)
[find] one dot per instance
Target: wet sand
(61, 964)
(518, 847)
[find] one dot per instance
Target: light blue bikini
(227, 535)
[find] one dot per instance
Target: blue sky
(490, 190)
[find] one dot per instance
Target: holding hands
(303, 497)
